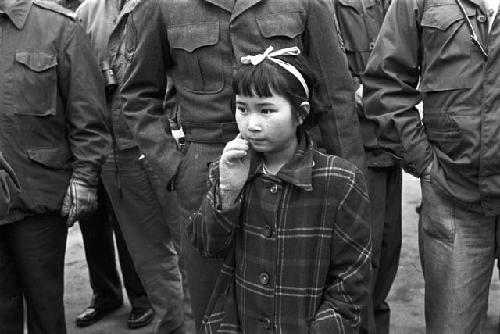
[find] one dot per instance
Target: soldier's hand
(80, 200)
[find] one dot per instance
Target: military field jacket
(200, 42)
(359, 23)
(105, 23)
(51, 105)
(427, 44)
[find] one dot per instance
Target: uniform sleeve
(340, 128)
(82, 91)
(211, 229)
(347, 287)
(9, 187)
(144, 88)
(390, 93)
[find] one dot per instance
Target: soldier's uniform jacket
(428, 43)
(107, 35)
(51, 105)
(199, 42)
(359, 22)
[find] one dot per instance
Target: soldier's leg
(192, 186)
(147, 236)
(39, 247)
(457, 247)
(11, 295)
(389, 248)
(97, 234)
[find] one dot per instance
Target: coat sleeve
(144, 87)
(82, 91)
(9, 187)
(340, 127)
(211, 229)
(390, 88)
(348, 281)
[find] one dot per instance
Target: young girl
(290, 220)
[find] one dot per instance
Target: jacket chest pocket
(32, 85)
(282, 29)
(447, 45)
(197, 56)
(359, 22)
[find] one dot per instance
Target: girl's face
(268, 123)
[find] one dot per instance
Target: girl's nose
(254, 123)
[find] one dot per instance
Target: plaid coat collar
(297, 171)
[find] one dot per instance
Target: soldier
(53, 133)
(360, 22)
(445, 54)
(145, 211)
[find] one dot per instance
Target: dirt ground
(406, 298)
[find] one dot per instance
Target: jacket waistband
(210, 133)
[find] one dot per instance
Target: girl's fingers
(234, 155)
(236, 145)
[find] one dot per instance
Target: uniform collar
(235, 7)
(224, 4)
(128, 7)
(297, 171)
(18, 12)
(480, 4)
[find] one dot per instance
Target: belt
(210, 132)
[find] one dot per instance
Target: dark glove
(9, 187)
(80, 200)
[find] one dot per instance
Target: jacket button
(481, 18)
(264, 278)
(268, 231)
(274, 188)
(372, 45)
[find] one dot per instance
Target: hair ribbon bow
(269, 54)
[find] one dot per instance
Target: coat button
(372, 45)
(264, 278)
(274, 188)
(268, 231)
(481, 18)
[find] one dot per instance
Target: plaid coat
(297, 248)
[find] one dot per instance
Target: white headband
(268, 54)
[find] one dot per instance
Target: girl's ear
(306, 107)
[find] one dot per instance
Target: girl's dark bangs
(261, 80)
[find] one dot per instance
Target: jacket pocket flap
(52, 157)
(281, 24)
(37, 61)
(190, 37)
(442, 17)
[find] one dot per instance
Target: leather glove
(80, 200)
(9, 187)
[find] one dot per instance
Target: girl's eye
(267, 111)
(241, 110)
